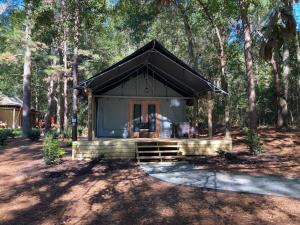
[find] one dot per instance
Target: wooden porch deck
(118, 148)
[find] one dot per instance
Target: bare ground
(280, 156)
(118, 192)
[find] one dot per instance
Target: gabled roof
(10, 101)
(166, 66)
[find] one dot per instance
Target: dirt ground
(280, 156)
(118, 192)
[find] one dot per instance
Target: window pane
(137, 117)
(152, 117)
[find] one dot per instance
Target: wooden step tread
(163, 151)
(158, 146)
(160, 157)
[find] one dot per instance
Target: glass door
(143, 119)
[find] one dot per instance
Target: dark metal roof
(167, 68)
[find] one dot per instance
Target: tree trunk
(286, 70)
(222, 64)
(50, 96)
(65, 62)
(60, 103)
(249, 65)
(75, 73)
(65, 83)
(285, 79)
(298, 69)
(223, 79)
(281, 103)
(193, 53)
(26, 123)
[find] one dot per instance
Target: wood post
(90, 114)
(227, 130)
(195, 111)
(209, 113)
(94, 119)
(14, 118)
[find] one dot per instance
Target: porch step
(154, 150)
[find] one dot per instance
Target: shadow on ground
(118, 192)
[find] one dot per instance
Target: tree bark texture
(281, 102)
(26, 120)
(75, 72)
(244, 5)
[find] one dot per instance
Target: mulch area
(280, 156)
(118, 192)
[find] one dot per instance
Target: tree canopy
(197, 31)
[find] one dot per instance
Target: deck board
(126, 148)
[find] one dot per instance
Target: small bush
(80, 130)
(253, 141)
(9, 133)
(17, 132)
(68, 142)
(52, 133)
(52, 152)
(67, 132)
(34, 134)
(3, 137)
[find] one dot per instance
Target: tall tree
(244, 7)
(75, 69)
(222, 60)
(278, 27)
(26, 123)
(65, 60)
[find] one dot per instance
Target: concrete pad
(185, 174)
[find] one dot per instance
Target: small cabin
(11, 112)
(142, 100)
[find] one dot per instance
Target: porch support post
(90, 114)
(94, 119)
(14, 118)
(227, 130)
(195, 111)
(209, 114)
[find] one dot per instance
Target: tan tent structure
(11, 112)
(137, 108)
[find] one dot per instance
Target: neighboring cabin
(11, 112)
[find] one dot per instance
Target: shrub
(3, 137)
(8, 133)
(253, 141)
(80, 130)
(67, 132)
(34, 134)
(52, 152)
(17, 132)
(68, 142)
(52, 133)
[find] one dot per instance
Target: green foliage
(67, 133)
(52, 152)
(3, 137)
(253, 141)
(53, 133)
(80, 130)
(68, 142)
(9, 133)
(110, 31)
(34, 134)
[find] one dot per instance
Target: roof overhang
(164, 66)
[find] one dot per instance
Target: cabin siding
(112, 116)
(113, 113)
(137, 85)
